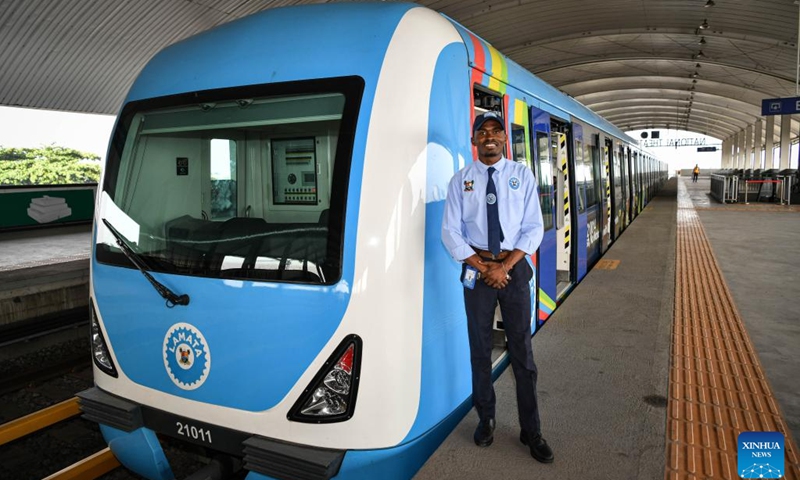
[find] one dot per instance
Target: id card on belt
(470, 276)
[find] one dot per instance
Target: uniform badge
(186, 356)
(491, 199)
(468, 185)
(513, 182)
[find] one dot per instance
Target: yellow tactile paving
(717, 387)
(606, 264)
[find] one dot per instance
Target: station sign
(706, 149)
(780, 106)
(673, 142)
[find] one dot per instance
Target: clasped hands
(495, 275)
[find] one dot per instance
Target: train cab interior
(233, 189)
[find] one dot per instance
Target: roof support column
(730, 151)
(740, 158)
(757, 143)
(769, 141)
(734, 149)
(748, 147)
(786, 141)
(724, 163)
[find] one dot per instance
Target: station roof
(696, 65)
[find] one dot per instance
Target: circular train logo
(186, 356)
(514, 183)
(491, 199)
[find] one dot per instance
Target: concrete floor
(757, 246)
(50, 245)
(603, 373)
(603, 377)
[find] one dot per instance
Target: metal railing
(786, 189)
(725, 188)
(753, 188)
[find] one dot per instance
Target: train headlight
(100, 353)
(331, 395)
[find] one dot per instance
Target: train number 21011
(193, 432)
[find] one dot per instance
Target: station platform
(43, 272)
(649, 369)
(652, 369)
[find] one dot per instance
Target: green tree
(47, 165)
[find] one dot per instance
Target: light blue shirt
(464, 225)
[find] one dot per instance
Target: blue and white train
(268, 280)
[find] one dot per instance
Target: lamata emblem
(513, 182)
(187, 358)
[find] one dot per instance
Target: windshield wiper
(168, 295)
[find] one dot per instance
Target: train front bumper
(130, 430)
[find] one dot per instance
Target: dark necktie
(493, 216)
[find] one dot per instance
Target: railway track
(27, 330)
(90, 467)
(43, 348)
(15, 381)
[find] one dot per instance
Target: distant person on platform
(492, 222)
(695, 173)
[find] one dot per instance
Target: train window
(592, 175)
(222, 201)
(580, 176)
(546, 175)
(487, 101)
(237, 185)
(518, 145)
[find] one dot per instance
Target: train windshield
(237, 183)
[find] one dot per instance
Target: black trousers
(515, 306)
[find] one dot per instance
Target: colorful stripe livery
(546, 306)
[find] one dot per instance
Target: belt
(490, 257)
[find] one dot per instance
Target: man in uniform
(492, 221)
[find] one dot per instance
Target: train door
(579, 235)
(645, 180)
(485, 100)
(638, 183)
(608, 149)
(559, 142)
(549, 171)
(631, 201)
(520, 143)
(618, 196)
(592, 195)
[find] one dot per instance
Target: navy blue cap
(486, 116)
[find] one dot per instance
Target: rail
(90, 467)
(93, 466)
(36, 421)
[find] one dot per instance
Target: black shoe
(539, 448)
(484, 434)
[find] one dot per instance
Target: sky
(31, 128)
(683, 157)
